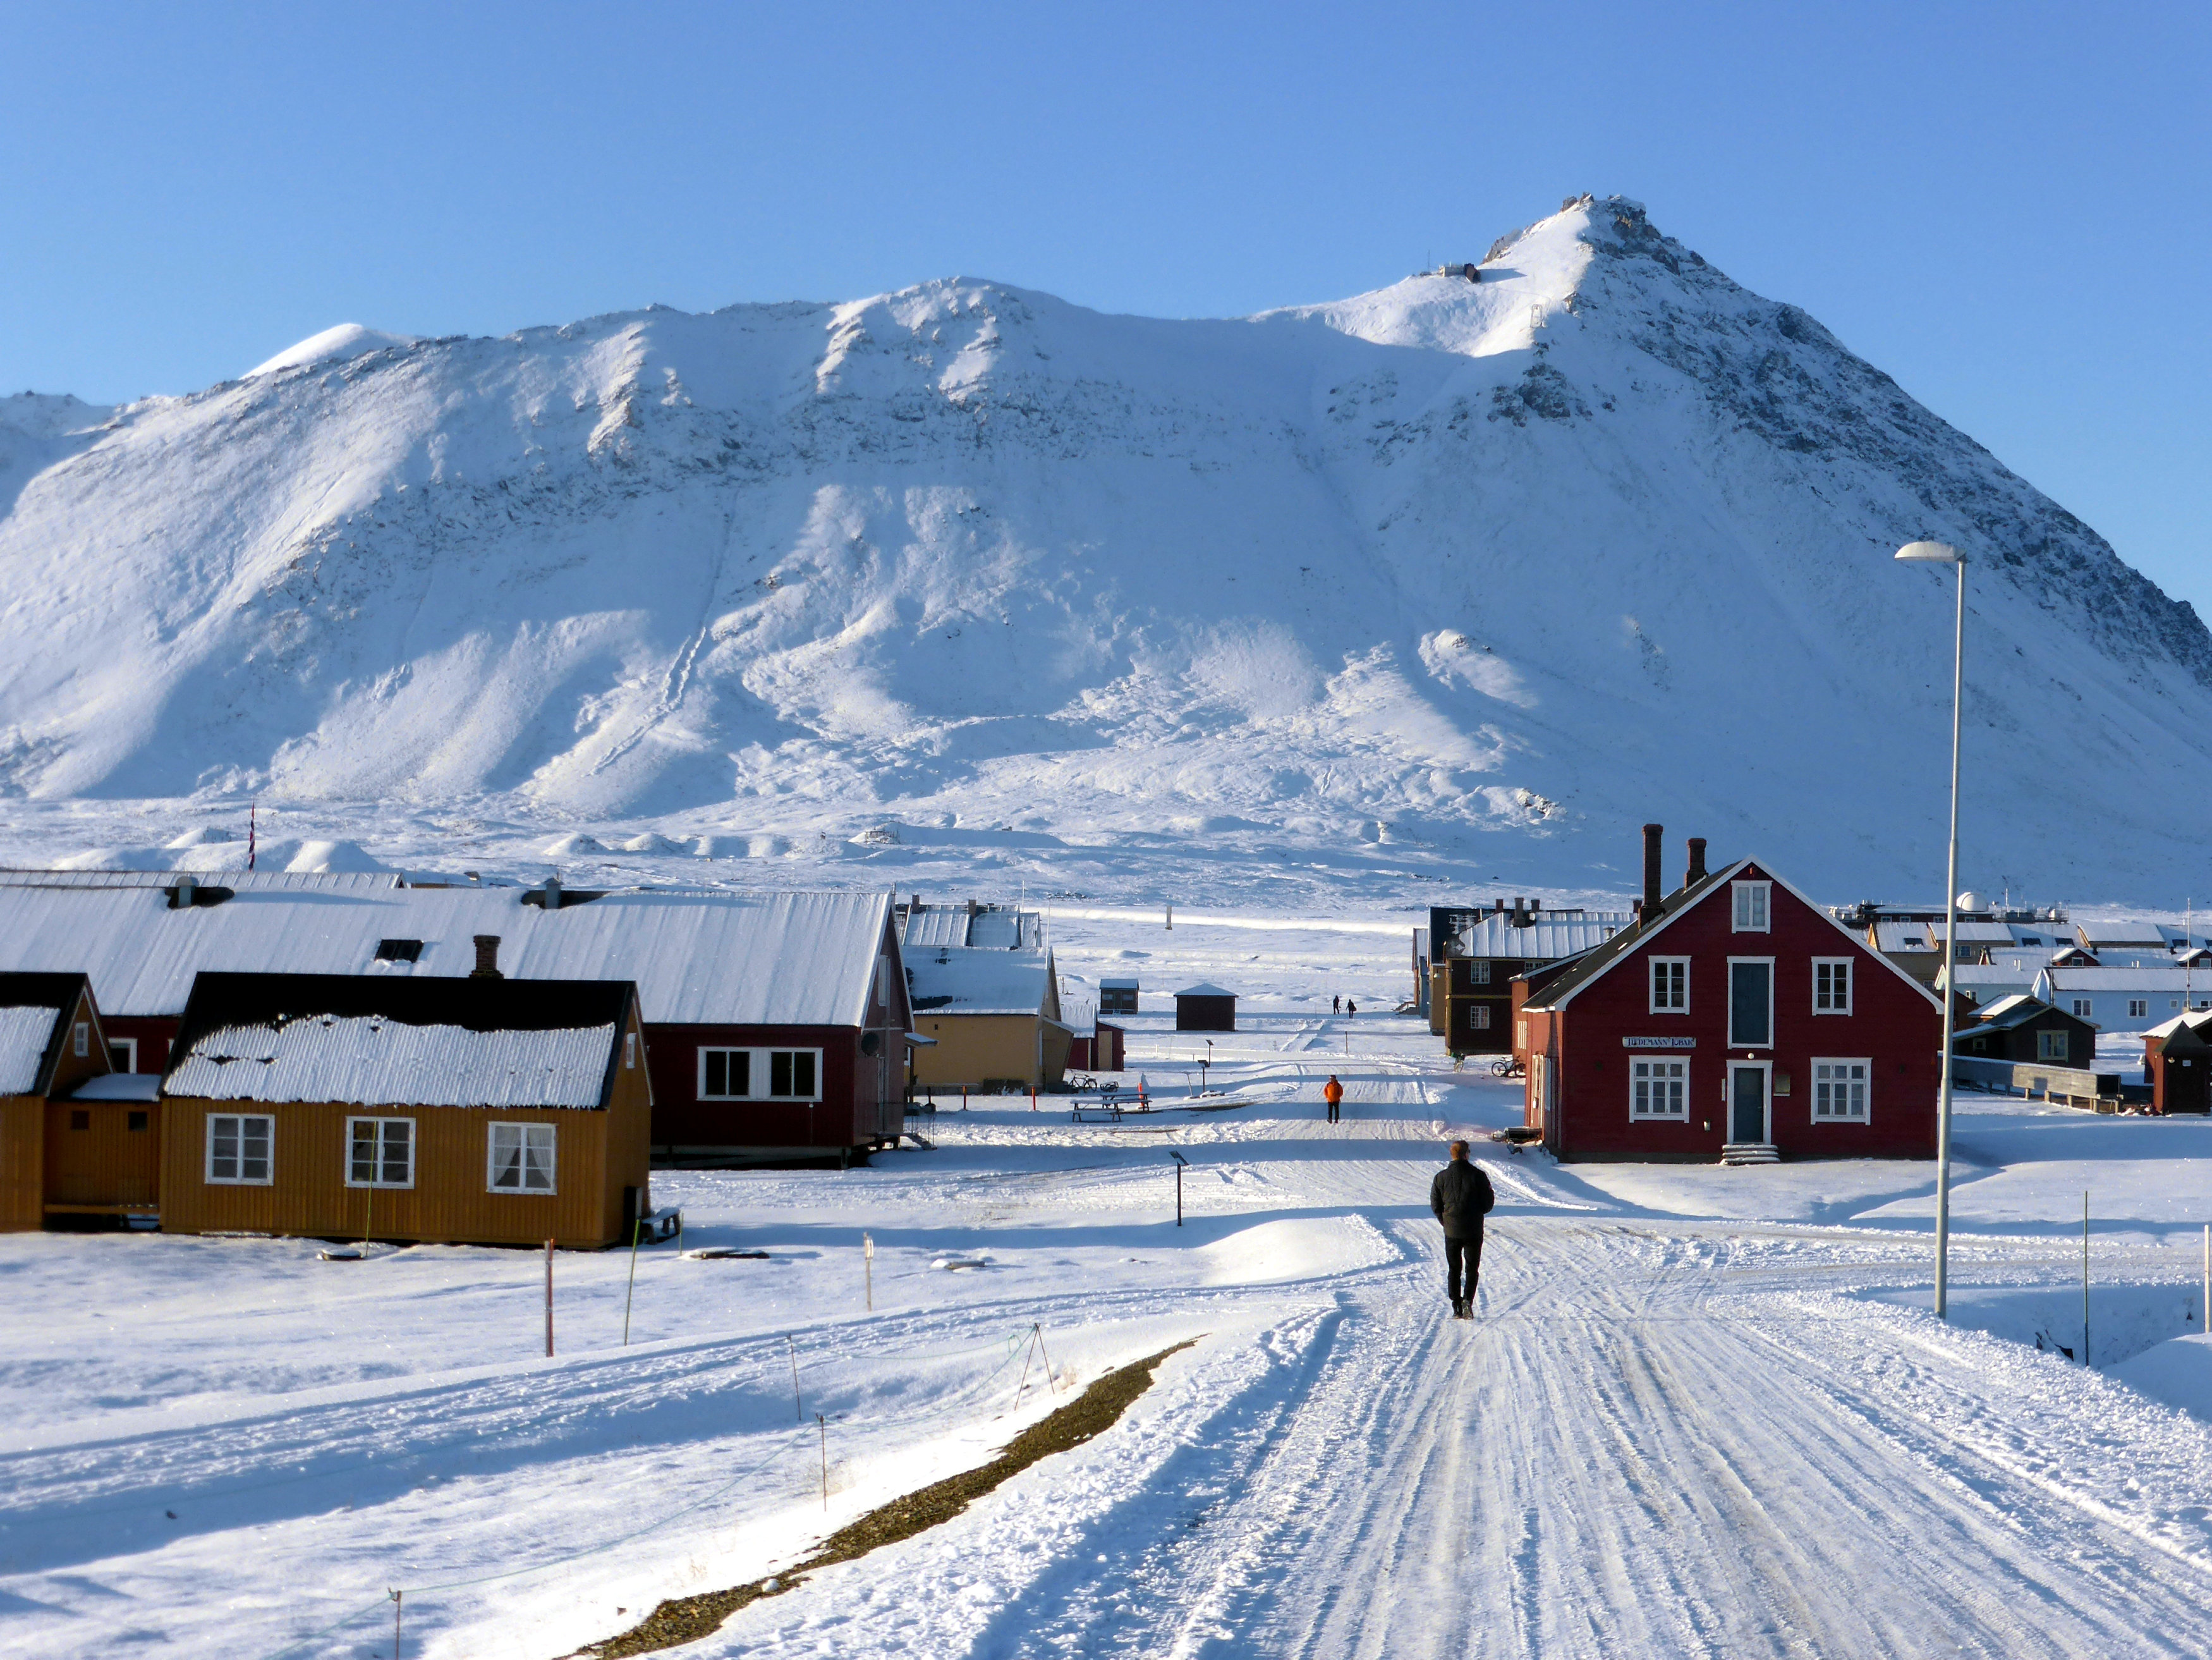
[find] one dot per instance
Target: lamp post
(1943, 553)
(1180, 1161)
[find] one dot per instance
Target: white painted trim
(1813, 1079)
(207, 1162)
(414, 1142)
(1728, 1097)
(128, 1047)
(1851, 985)
(1651, 989)
(757, 1073)
(1729, 1012)
(1766, 890)
(552, 1158)
(1659, 1057)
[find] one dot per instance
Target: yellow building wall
(972, 1049)
(22, 1163)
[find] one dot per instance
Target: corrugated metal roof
(2094, 934)
(367, 1062)
(1540, 942)
(24, 1035)
(978, 981)
(990, 928)
(2123, 979)
(1908, 936)
(259, 881)
(699, 958)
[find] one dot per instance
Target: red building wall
(1893, 1024)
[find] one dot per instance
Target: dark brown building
(1205, 1007)
(2024, 1029)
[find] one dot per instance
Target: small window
(1477, 1018)
(1659, 1089)
(2081, 1008)
(521, 1159)
(1478, 971)
(399, 951)
(759, 1074)
(1670, 985)
(725, 1074)
(81, 1038)
(79, 1118)
(137, 1120)
(791, 1074)
(2138, 1007)
(629, 1050)
(123, 1054)
(2174, 1002)
(1752, 906)
(2053, 1046)
(380, 1152)
(1839, 1092)
(1831, 985)
(240, 1148)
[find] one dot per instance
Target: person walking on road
(1351, 1008)
(1333, 1092)
(1461, 1197)
(1336, 1003)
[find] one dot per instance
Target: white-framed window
(1477, 1018)
(1478, 971)
(1753, 903)
(241, 1149)
(1658, 1087)
(380, 1152)
(81, 1039)
(2054, 1046)
(759, 1074)
(123, 1054)
(1751, 1002)
(1839, 1091)
(1670, 985)
(2138, 1007)
(629, 1050)
(521, 1159)
(1831, 985)
(2081, 1008)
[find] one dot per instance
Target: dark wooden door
(1747, 1104)
(2187, 1077)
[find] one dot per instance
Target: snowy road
(1698, 1413)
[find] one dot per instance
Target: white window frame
(2084, 1008)
(759, 1074)
(1730, 994)
(127, 1048)
(1478, 971)
(1478, 1016)
(2046, 1038)
(1751, 907)
(526, 1135)
(1643, 1070)
(1651, 985)
(2139, 1008)
(629, 1051)
(1864, 1114)
(81, 1039)
(239, 1178)
(378, 1161)
(1850, 977)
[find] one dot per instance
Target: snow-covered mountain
(1599, 538)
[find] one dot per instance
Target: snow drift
(1600, 538)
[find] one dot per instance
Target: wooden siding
(22, 1163)
(96, 1161)
(597, 1153)
(1205, 1014)
(972, 1049)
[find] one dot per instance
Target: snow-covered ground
(1702, 1411)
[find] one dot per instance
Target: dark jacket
(1460, 1195)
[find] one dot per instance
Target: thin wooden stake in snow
(2208, 1277)
(798, 1405)
(823, 1425)
(636, 1232)
(1039, 1329)
(395, 1625)
(2084, 1278)
(868, 1261)
(549, 1300)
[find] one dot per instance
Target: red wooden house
(1736, 1020)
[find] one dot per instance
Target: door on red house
(1749, 1108)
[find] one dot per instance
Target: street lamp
(1179, 1162)
(1943, 553)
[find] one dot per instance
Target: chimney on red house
(1696, 871)
(1655, 893)
(487, 966)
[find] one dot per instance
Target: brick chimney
(1696, 871)
(1655, 893)
(487, 966)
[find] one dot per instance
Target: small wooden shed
(49, 1043)
(2030, 1032)
(1205, 1007)
(1117, 997)
(2179, 1063)
(484, 1112)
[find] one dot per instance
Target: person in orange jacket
(1333, 1092)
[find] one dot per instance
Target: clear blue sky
(2005, 206)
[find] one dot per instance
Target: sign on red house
(1736, 1014)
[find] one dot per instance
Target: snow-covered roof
(119, 1086)
(25, 1034)
(1908, 936)
(697, 958)
(371, 1062)
(1545, 941)
(1204, 989)
(2096, 934)
(2159, 979)
(1986, 974)
(963, 980)
(1109, 984)
(988, 928)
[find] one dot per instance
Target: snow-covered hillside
(1485, 570)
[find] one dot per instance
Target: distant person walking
(1461, 1197)
(1333, 1092)
(1350, 1007)
(1336, 1005)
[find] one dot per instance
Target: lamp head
(1932, 553)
